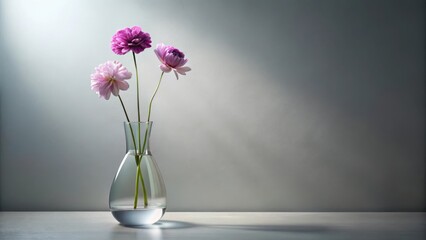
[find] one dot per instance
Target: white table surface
(220, 225)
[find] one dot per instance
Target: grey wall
(291, 105)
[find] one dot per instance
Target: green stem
(130, 125)
(124, 108)
(135, 202)
(149, 113)
(138, 161)
(153, 95)
(145, 197)
(137, 99)
(139, 173)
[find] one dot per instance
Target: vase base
(138, 217)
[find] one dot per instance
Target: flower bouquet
(138, 176)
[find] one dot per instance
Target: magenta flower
(172, 59)
(109, 78)
(130, 39)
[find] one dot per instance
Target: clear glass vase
(138, 194)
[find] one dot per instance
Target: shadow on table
(277, 228)
(166, 225)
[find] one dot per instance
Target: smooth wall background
(291, 105)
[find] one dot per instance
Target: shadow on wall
(3, 76)
(1, 141)
(6, 72)
(10, 74)
(340, 109)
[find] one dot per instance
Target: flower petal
(160, 51)
(135, 30)
(122, 85)
(114, 89)
(183, 70)
(107, 95)
(182, 62)
(165, 68)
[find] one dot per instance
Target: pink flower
(109, 78)
(130, 39)
(172, 59)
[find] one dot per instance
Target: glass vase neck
(137, 137)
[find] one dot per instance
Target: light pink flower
(110, 77)
(171, 59)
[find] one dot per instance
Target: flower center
(178, 53)
(135, 42)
